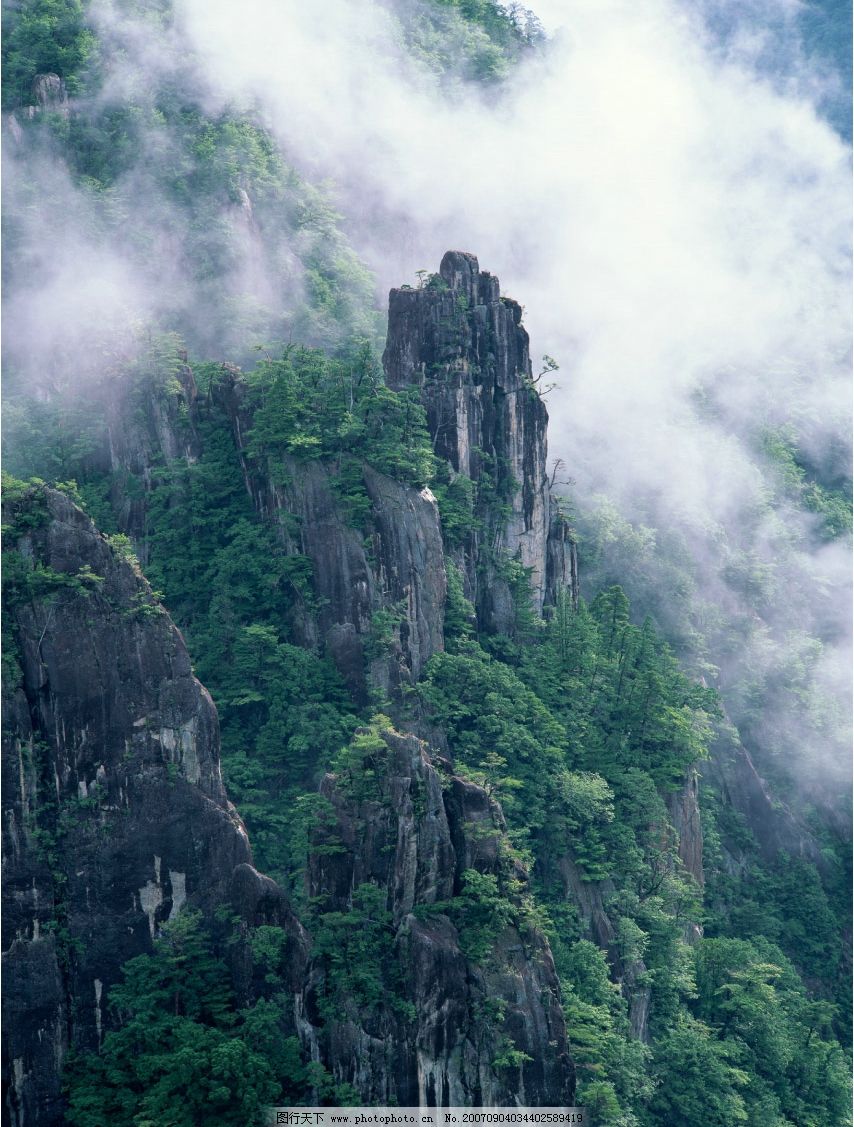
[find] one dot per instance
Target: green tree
(695, 1080)
(750, 994)
(307, 405)
(497, 727)
(355, 948)
(179, 1056)
(43, 37)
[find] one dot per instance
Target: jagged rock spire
(464, 346)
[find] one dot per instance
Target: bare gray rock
(415, 840)
(465, 348)
(114, 811)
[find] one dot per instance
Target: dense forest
(410, 626)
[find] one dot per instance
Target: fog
(674, 213)
(669, 220)
(658, 187)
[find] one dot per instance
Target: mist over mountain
(367, 551)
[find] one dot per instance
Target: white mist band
(425, 1116)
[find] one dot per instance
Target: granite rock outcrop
(114, 812)
(464, 347)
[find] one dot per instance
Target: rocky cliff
(114, 812)
(773, 824)
(392, 564)
(465, 1027)
(464, 347)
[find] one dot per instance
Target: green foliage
(24, 581)
(526, 623)
(25, 509)
(460, 617)
(788, 904)
(696, 1080)
(784, 900)
(455, 495)
(611, 1067)
(488, 903)
(209, 555)
(181, 1054)
(495, 723)
(285, 714)
(475, 40)
(24, 505)
(154, 167)
(385, 630)
(480, 912)
(359, 765)
(236, 593)
(269, 946)
(594, 697)
(310, 406)
(585, 809)
(773, 685)
(578, 736)
(509, 1057)
(750, 995)
(43, 37)
(625, 700)
(831, 503)
(654, 566)
(122, 546)
(356, 950)
(579, 727)
(178, 1029)
(301, 1081)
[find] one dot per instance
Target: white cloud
(670, 216)
(666, 216)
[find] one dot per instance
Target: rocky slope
(115, 817)
(395, 564)
(464, 347)
(415, 837)
(128, 739)
(114, 812)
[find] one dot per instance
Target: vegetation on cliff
(580, 729)
(715, 994)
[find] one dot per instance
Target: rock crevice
(114, 811)
(464, 347)
(454, 1014)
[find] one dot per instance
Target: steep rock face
(381, 597)
(464, 347)
(394, 567)
(114, 812)
(684, 809)
(148, 421)
(49, 90)
(441, 1039)
(147, 424)
(774, 826)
